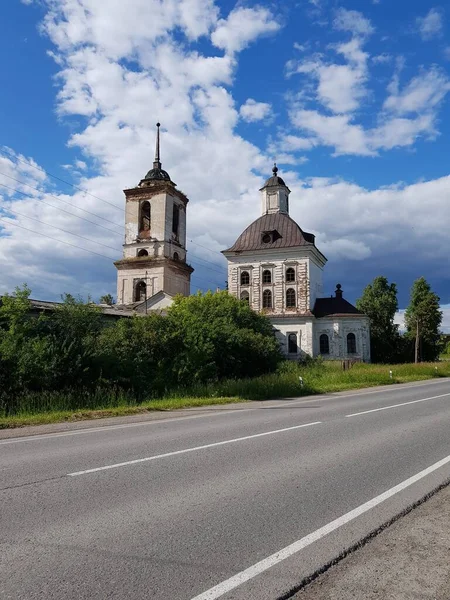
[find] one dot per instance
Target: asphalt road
(240, 503)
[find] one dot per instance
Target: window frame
(351, 343)
(245, 296)
(267, 274)
(289, 342)
(322, 338)
(140, 285)
(288, 305)
(243, 273)
(267, 294)
(289, 271)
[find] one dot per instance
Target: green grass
(318, 378)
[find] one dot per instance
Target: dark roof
(158, 174)
(274, 180)
(334, 306)
(290, 234)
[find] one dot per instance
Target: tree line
(421, 340)
(202, 338)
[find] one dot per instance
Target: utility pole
(416, 352)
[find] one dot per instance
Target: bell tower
(275, 195)
(154, 252)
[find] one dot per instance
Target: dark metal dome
(274, 180)
(158, 174)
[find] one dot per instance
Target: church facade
(276, 267)
(153, 268)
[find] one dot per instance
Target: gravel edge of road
(304, 583)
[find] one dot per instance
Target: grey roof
(290, 234)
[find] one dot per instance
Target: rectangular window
(175, 219)
(292, 343)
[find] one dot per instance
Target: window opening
(267, 299)
(141, 292)
(351, 343)
(245, 296)
(175, 219)
(145, 217)
(245, 278)
(290, 298)
(324, 344)
(290, 275)
(267, 276)
(292, 343)
(142, 252)
(176, 256)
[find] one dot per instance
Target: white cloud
(381, 59)
(243, 26)
(252, 110)
(431, 25)
(340, 87)
(336, 131)
(423, 93)
(353, 21)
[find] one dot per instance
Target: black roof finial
(275, 169)
(339, 291)
(157, 161)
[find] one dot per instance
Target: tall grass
(318, 378)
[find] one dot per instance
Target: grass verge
(318, 378)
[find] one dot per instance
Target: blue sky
(351, 97)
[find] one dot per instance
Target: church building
(276, 267)
(153, 268)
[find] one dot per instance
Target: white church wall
(315, 283)
(303, 328)
(337, 329)
(277, 263)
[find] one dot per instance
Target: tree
(219, 336)
(423, 318)
(107, 299)
(379, 303)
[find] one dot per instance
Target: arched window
(267, 299)
(141, 292)
(245, 278)
(245, 296)
(142, 252)
(292, 343)
(290, 298)
(176, 256)
(324, 344)
(145, 221)
(267, 276)
(290, 275)
(175, 219)
(351, 343)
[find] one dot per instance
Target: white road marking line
(33, 438)
(366, 412)
(186, 450)
(312, 398)
(265, 564)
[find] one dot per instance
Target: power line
(209, 249)
(55, 239)
(58, 178)
(59, 199)
(58, 208)
(57, 228)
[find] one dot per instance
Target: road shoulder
(408, 560)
